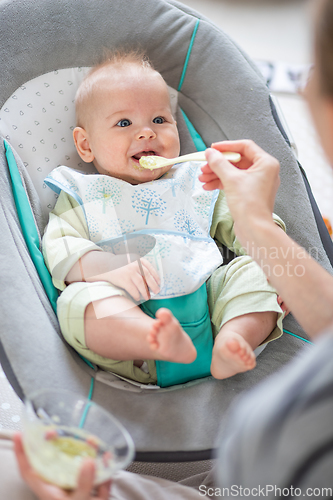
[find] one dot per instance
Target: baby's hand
(137, 278)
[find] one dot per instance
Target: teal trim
(182, 78)
(298, 337)
(198, 142)
(196, 137)
(28, 226)
(92, 382)
(29, 231)
(89, 363)
(84, 414)
(88, 405)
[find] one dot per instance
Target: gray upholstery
(224, 97)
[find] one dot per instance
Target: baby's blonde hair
(115, 59)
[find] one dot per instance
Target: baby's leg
(123, 331)
(234, 344)
(166, 335)
(239, 296)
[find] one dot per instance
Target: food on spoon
(149, 162)
(152, 162)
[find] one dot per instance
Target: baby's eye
(159, 120)
(124, 123)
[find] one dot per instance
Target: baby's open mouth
(143, 153)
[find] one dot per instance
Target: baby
(123, 113)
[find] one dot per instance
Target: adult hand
(250, 187)
(47, 491)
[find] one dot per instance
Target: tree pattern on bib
(185, 223)
(201, 207)
(192, 173)
(172, 285)
(161, 250)
(94, 229)
(176, 183)
(104, 190)
(147, 202)
(126, 225)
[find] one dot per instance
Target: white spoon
(153, 162)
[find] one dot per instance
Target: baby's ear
(82, 144)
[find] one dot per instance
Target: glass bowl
(61, 429)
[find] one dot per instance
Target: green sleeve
(222, 228)
(66, 238)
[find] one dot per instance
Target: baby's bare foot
(231, 355)
(168, 339)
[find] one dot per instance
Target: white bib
(175, 210)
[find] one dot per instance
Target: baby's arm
(128, 271)
(71, 256)
(66, 239)
(223, 226)
(223, 231)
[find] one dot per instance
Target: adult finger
(103, 491)
(212, 185)
(43, 490)
(85, 481)
(218, 164)
(209, 179)
(248, 150)
(22, 461)
(207, 176)
(245, 147)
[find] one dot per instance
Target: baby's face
(131, 117)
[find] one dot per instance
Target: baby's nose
(146, 133)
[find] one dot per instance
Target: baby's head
(123, 112)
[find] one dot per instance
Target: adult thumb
(217, 162)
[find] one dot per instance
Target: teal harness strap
(193, 314)
(189, 50)
(198, 142)
(28, 226)
(297, 336)
(88, 405)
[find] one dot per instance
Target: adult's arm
(250, 190)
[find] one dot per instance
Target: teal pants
(193, 314)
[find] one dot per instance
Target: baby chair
(46, 48)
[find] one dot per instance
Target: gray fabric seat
(224, 97)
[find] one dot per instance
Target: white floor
(265, 29)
